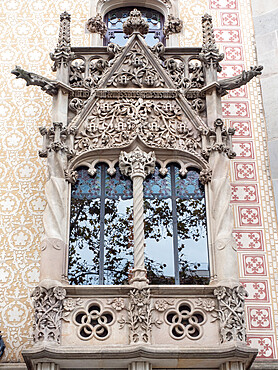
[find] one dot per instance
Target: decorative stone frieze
(231, 313)
(47, 85)
(135, 23)
(96, 25)
(172, 25)
(48, 305)
(239, 80)
(62, 54)
(140, 319)
(69, 305)
(210, 53)
(117, 123)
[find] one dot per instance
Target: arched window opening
(101, 233)
(100, 248)
(115, 19)
(175, 228)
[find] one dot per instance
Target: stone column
(57, 148)
(235, 365)
(47, 366)
(140, 365)
(138, 164)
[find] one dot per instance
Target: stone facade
(24, 199)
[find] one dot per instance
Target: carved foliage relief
(117, 123)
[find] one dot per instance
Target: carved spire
(135, 23)
(210, 52)
(172, 25)
(62, 53)
(96, 25)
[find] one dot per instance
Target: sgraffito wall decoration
(29, 32)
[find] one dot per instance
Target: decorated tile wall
(252, 199)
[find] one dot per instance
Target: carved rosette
(96, 25)
(140, 319)
(62, 54)
(210, 52)
(172, 25)
(135, 23)
(231, 313)
(48, 305)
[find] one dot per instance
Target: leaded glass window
(101, 236)
(115, 19)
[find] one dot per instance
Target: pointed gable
(136, 67)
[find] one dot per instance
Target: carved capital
(231, 313)
(137, 163)
(172, 25)
(96, 25)
(48, 305)
(135, 23)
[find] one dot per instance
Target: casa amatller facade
(137, 107)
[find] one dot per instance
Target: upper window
(115, 19)
(101, 236)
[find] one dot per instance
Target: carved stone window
(101, 237)
(115, 19)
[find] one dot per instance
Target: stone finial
(210, 52)
(172, 25)
(135, 23)
(62, 53)
(96, 25)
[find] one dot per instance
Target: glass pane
(118, 186)
(158, 229)
(192, 229)
(118, 241)
(84, 229)
(117, 17)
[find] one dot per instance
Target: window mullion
(102, 216)
(175, 224)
